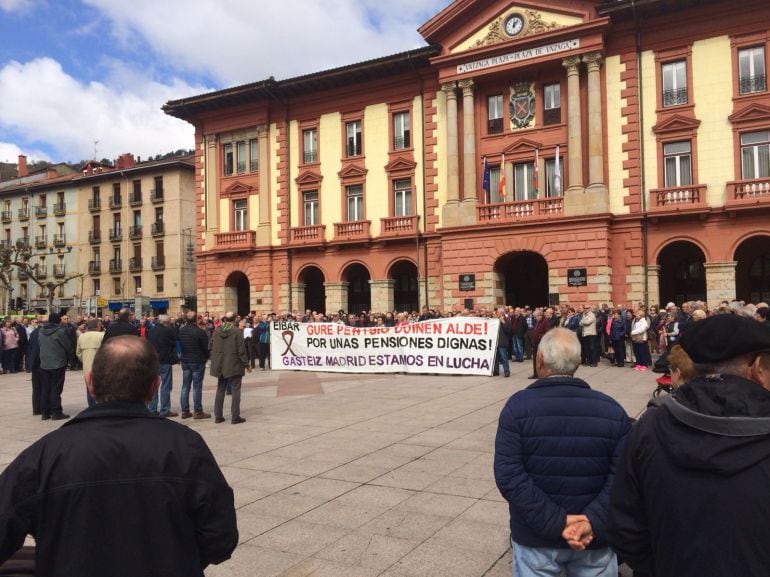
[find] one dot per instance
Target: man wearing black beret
(692, 495)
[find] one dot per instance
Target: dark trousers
(528, 346)
(587, 350)
(619, 346)
(264, 354)
(52, 384)
(534, 359)
(21, 353)
(37, 392)
(234, 384)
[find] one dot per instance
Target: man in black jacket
(163, 337)
(194, 343)
(691, 495)
(121, 326)
(117, 491)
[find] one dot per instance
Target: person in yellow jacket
(88, 343)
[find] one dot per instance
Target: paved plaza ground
(353, 475)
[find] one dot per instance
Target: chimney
(22, 167)
(125, 160)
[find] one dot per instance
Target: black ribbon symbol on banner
(288, 341)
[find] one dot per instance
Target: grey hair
(560, 349)
(164, 319)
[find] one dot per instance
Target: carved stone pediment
(352, 171)
(751, 113)
(237, 189)
(676, 123)
(308, 178)
(534, 25)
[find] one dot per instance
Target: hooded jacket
(55, 347)
(228, 355)
(691, 496)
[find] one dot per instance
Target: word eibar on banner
(456, 346)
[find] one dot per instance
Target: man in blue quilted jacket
(557, 448)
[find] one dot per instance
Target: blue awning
(159, 303)
(115, 305)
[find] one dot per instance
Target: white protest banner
(456, 346)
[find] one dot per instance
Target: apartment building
(531, 153)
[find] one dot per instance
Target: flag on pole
(535, 179)
(485, 181)
(557, 175)
(501, 187)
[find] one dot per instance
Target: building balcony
(678, 198)
(6, 244)
(59, 240)
(158, 262)
(115, 265)
(59, 270)
(23, 213)
(41, 241)
(234, 241)
(94, 267)
(156, 195)
(94, 204)
(60, 208)
(116, 202)
(748, 192)
(23, 240)
(399, 225)
(41, 271)
(157, 228)
(135, 199)
(23, 275)
(6, 216)
(520, 210)
(135, 263)
(116, 234)
(41, 211)
(353, 230)
(94, 236)
(308, 234)
(135, 232)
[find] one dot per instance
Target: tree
(23, 257)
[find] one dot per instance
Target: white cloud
(43, 104)
(9, 152)
(243, 41)
(16, 5)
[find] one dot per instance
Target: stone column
(653, 286)
(264, 229)
(298, 296)
(210, 196)
(336, 296)
(450, 209)
(574, 130)
(593, 62)
(720, 282)
(470, 199)
(383, 293)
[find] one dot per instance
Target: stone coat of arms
(522, 105)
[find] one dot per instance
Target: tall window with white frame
(228, 157)
(552, 104)
(253, 155)
(240, 151)
(310, 207)
(674, 83)
(755, 155)
(401, 131)
(552, 187)
(493, 196)
(97, 284)
(355, 197)
(677, 162)
(402, 197)
(240, 214)
(751, 70)
(310, 146)
(495, 114)
(524, 181)
(353, 138)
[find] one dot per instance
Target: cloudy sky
(87, 78)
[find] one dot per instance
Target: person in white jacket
(639, 328)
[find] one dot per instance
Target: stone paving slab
(353, 475)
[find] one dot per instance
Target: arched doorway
(237, 293)
(752, 273)
(359, 292)
(682, 274)
(315, 293)
(524, 275)
(406, 288)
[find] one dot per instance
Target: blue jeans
(502, 357)
(164, 392)
(518, 348)
(192, 373)
(545, 562)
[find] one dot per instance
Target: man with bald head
(118, 491)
